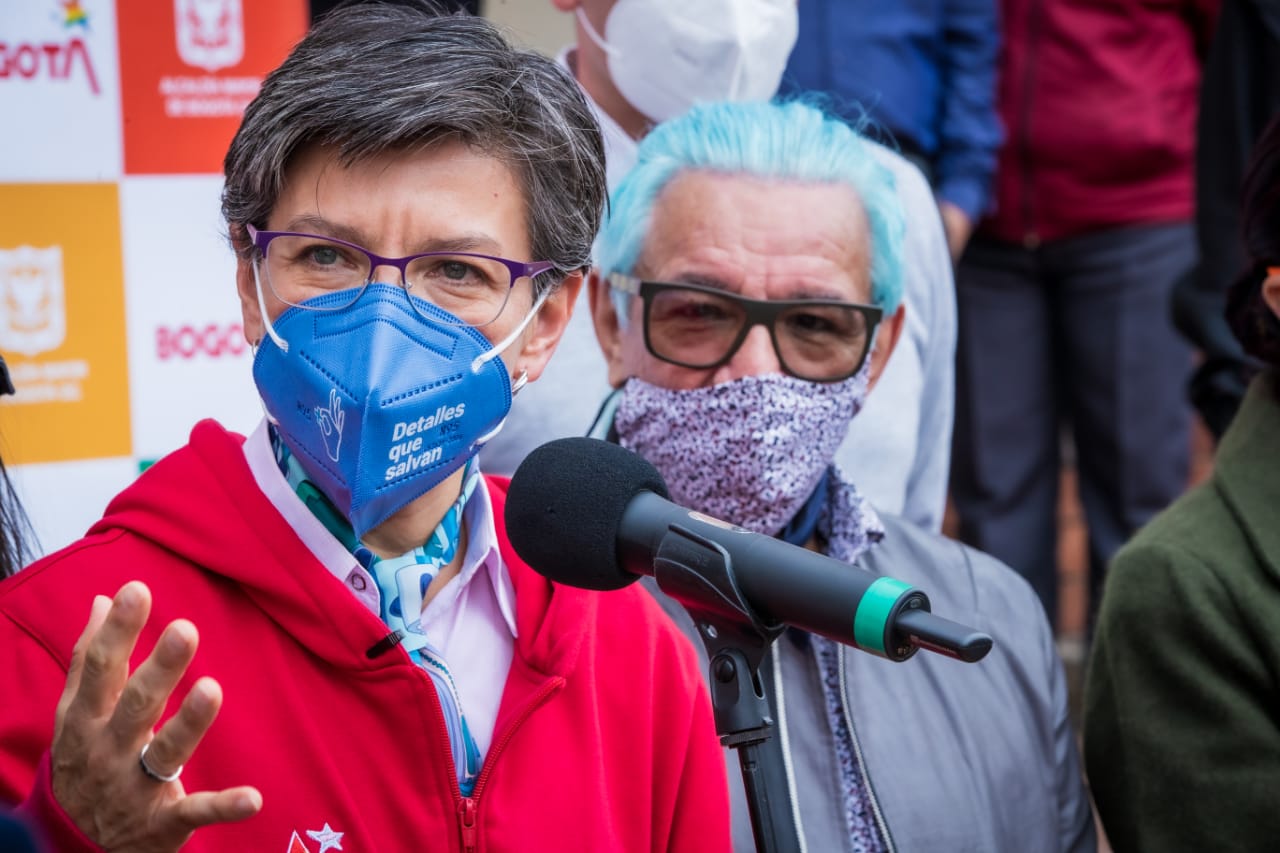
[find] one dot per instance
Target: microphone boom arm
(892, 620)
(737, 639)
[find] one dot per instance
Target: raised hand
(106, 716)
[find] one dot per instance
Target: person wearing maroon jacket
(395, 677)
(1064, 292)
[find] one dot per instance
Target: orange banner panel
(62, 323)
(188, 68)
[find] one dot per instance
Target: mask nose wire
(401, 281)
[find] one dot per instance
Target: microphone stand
(737, 640)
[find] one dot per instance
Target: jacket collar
(1245, 470)
(847, 522)
(550, 617)
(233, 530)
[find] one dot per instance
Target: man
(394, 676)
(747, 300)
(641, 62)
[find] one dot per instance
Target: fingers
(178, 738)
(170, 826)
(97, 614)
(105, 665)
(147, 692)
(201, 809)
(96, 779)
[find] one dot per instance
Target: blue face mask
(382, 400)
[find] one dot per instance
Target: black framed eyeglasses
(691, 325)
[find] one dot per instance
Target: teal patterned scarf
(402, 582)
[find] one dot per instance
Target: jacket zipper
(857, 751)
(780, 699)
(1030, 239)
(467, 822)
(469, 807)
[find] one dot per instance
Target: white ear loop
(266, 319)
(522, 380)
(271, 419)
(279, 341)
(481, 360)
(595, 35)
(488, 436)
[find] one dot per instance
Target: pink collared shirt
(472, 624)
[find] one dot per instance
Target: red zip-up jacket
(1099, 102)
(604, 738)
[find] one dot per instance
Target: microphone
(591, 514)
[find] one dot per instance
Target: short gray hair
(373, 77)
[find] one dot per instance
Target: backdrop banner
(118, 311)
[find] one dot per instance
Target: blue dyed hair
(786, 140)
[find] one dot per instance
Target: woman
(1182, 739)
(412, 202)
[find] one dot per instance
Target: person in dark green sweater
(1182, 696)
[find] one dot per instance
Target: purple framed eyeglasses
(474, 288)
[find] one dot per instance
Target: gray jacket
(958, 757)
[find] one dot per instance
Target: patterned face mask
(749, 451)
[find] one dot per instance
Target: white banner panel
(118, 311)
(64, 499)
(59, 91)
(188, 358)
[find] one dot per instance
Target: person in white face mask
(746, 296)
(643, 62)
(647, 61)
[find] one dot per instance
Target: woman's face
(762, 239)
(447, 197)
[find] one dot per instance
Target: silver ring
(151, 773)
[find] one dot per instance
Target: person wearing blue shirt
(925, 71)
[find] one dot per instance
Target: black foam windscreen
(565, 504)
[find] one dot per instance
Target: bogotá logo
(33, 316)
(73, 14)
(210, 33)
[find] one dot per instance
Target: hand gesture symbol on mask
(331, 421)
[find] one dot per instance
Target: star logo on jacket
(328, 838)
